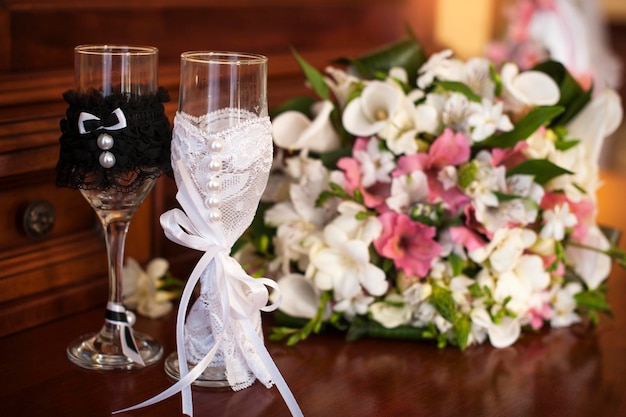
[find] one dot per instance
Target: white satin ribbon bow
(84, 118)
(189, 228)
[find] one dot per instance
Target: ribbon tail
(116, 314)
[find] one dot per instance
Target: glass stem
(116, 229)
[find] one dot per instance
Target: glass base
(103, 351)
(212, 377)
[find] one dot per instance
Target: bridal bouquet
(432, 198)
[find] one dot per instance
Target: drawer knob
(39, 218)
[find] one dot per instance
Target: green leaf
(536, 118)
(457, 263)
(459, 87)
(594, 300)
(314, 77)
(573, 97)
(505, 197)
(406, 53)
(564, 145)
(330, 159)
(462, 327)
(442, 299)
(543, 170)
(361, 327)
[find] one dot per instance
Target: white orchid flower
(440, 65)
(376, 164)
(357, 305)
(486, 119)
(557, 221)
(293, 130)
(528, 88)
(564, 305)
(593, 267)
(505, 248)
(341, 83)
(141, 288)
(524, 284)
(300, 298)
(391, 312)
(364, 230)
(343, 265)
(367, 114)
(407, 190)
(520, 211)
(502, 334)
(477, 76)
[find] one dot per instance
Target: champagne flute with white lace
(115, 142)
(221, 155)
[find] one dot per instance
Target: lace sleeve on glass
(113, 142)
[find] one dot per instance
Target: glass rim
(223, 57)
(118, 50)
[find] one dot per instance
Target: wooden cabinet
(64, 271)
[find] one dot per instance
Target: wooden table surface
(559, 372)
(565, 372)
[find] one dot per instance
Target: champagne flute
(114, 144)
(222, 142)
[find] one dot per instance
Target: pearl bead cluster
(214, 184)
(106, 158)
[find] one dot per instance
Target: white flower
(440, 66)
(557, 221)
(591, 266)
(564, 305)
(391, 312)
(298, 221)
(501, 334)
(455, 113)
(524, 283)
(407, 190)
(486, 119)
(293, 130)
(367, 114)
(520, 211)
(343, 265)
(505, 248)
(357, 305)
(376, 164)
(341, 84)
(476, 74)
(141, 288)
(529, 88)
(299, 297)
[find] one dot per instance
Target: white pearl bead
(216, 145)
(105, 141)
(107, 159)
(212, 200)
(214, 184)
(215, 215)
(215, 164)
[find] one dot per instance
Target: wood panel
(65, 272)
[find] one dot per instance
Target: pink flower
(373, 196)
(583, 210)
(464, 236)
(410, 244)
(448, 149)
(539, 315)
(509, 157)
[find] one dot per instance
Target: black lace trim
(139, 150)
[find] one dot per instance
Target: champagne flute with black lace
(115, 143)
